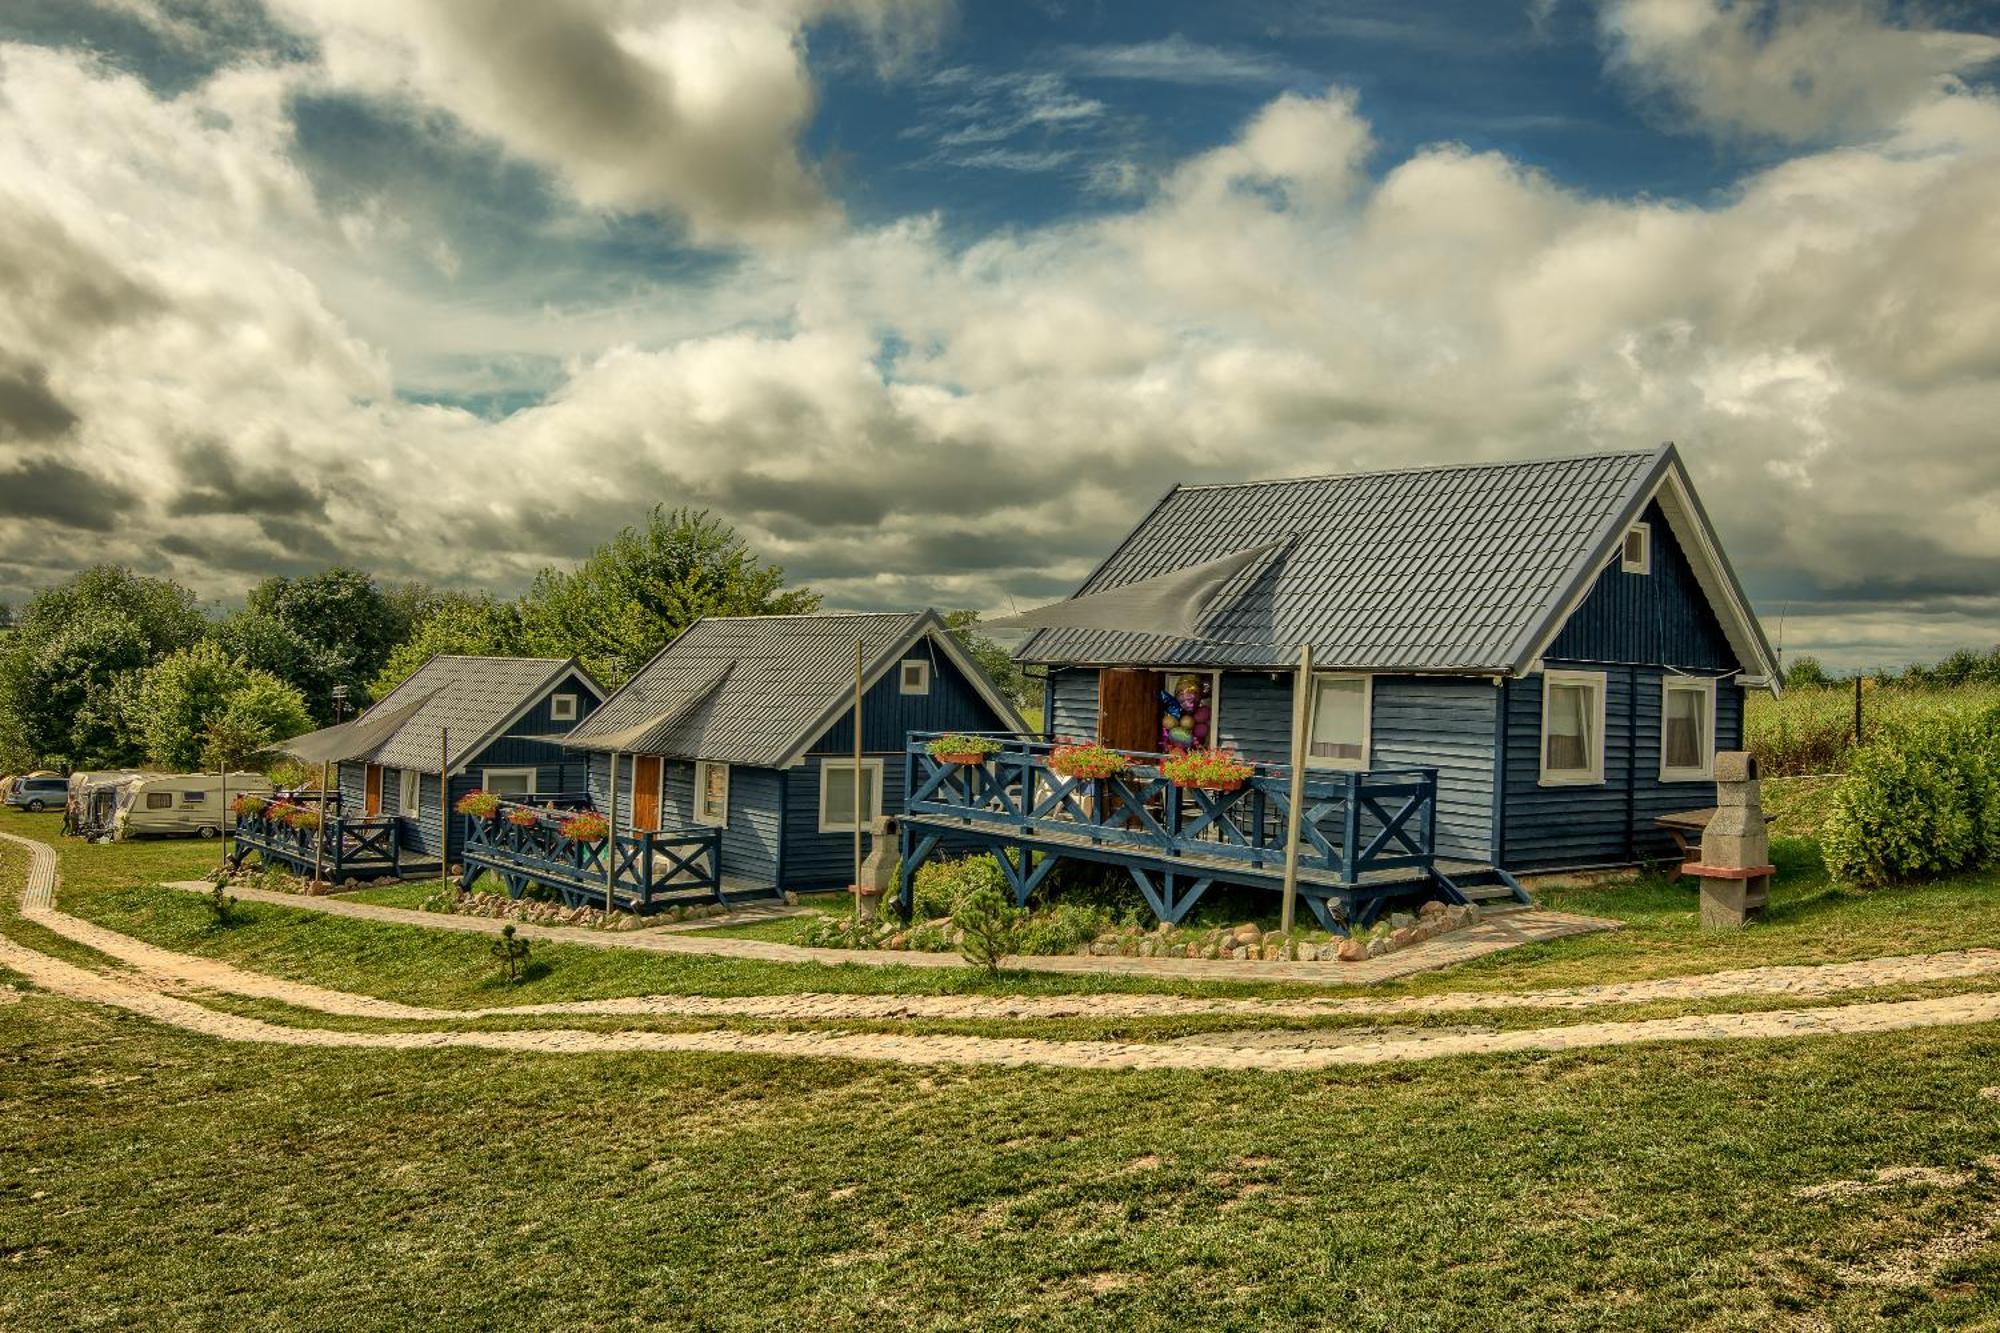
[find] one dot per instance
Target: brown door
(645, 793)
(1128, 709)
(371, 791)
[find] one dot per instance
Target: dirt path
(161, 969)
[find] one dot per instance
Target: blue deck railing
(645, 869)
(1377, 821)
(339, 847)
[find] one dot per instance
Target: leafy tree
(68, 671)
(344, 616)
(455, 623)
(188, 693)
(1806, 673)
(646, 585)
(992, 658)
(268, 643)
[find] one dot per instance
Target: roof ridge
(1543, 461)
(822, 615)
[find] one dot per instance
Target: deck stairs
(1485, 886)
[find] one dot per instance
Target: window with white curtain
(836, 794)
(1340, 722)
(1687, 729)
(1572, 728)
(711, 793)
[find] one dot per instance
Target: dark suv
(39, 793)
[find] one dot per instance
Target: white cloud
(1820, 342)
(1175, 59)
(1797, 70)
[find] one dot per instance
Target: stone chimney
(1735, 867)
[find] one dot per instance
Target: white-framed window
(711, 793)
(915, 676)
(193, 797)
(1572, 728)
(508, 783)
(1341, 708)
(562, 707)
(1687, 729)
(408, 789)
(836, 794)
(1636, 555)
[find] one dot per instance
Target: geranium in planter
(522, 817)
(1207, 770)
(1087, 759)
(962, 749)
(301, 817)
(585, 826)
(479, 804)
(248, 807)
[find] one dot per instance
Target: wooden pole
(860, 667)
(319, 837)
(223, 815)
(444, 807)
(1302, 710)
(611, 834)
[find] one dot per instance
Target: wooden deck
(638, 872)
(1366, 838)
(339, 850)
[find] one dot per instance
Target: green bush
(944, 882)
(1923, 800)
(1063, 928)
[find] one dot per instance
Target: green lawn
(149, 1178)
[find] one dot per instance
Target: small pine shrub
(989, 927)
(510, 952)
(222, 905)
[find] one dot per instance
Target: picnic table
(1687, 826)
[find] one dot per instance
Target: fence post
(1857, 710)
(1430, 815)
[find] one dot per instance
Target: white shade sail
(1171, 605)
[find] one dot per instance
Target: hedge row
(1921, 800)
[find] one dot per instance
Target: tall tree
(347, 623)
(646, 585)
(189, 691)
(457, 624)
(68, 670)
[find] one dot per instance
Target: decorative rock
(1400, 919)
(1431, 908)
(1402, 936)
(1352, 950)
(1240, 952)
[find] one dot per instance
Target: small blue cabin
(728, 760)
(1518, 668)
(494, 720)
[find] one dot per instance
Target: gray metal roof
(473, 698)
(755, 689)
(1432, 569)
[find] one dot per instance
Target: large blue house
(1519, 666)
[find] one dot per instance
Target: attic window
(916, 677)
(1636, 556)
(562, 708)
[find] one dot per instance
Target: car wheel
(37, 806)
(209, 830)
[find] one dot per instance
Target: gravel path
(1496, 932)
(156, 971)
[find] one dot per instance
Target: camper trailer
(93, 801)
(161, 805)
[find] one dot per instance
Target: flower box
(1207, 770)
(1087, 760)
(479, 804)
(963, 749)
(249, 807)
(522, 817)
(585, 826)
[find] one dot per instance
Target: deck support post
(611, 836)
(319, 842)
(444, 807)
(1302, 703)
(860, 669)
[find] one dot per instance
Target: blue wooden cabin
(1519, 666)
(733, 756)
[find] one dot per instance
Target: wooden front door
(645, 793)
(371, 791)
(1128, 709)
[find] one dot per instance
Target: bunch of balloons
(1184, 714)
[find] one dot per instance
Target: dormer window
(1636, 556)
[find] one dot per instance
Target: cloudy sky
(933, 300)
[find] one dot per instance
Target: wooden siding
(1254, 716)
(1446, 723)
(1072, 705)
(1610, 823)
(751, 842)
(815, 860)
(888, 715)
(1661, 618)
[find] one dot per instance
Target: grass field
(150, 1178)
(1811, 730)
